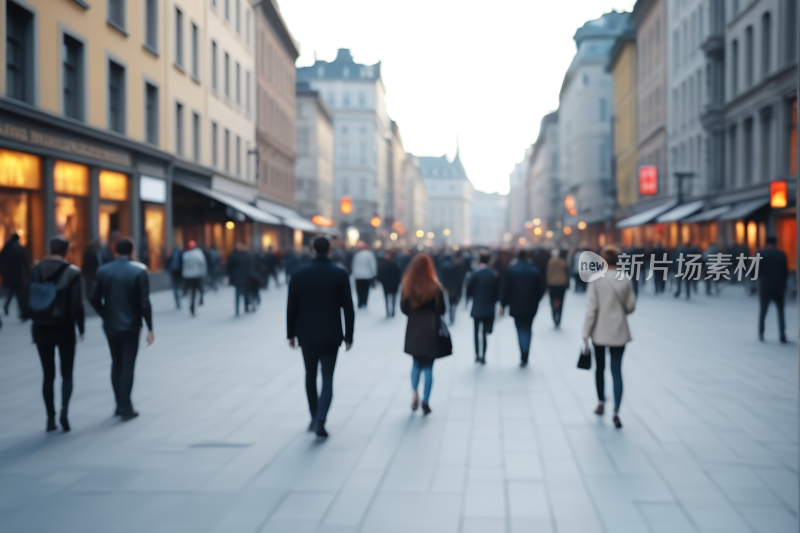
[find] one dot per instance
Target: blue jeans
(422, 365)
(241, 292)
(313, 357)
(616, 372)
(524, 333)
(176, 290)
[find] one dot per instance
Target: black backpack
(47, 297)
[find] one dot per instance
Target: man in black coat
(484, 290)
(121, 296)
(390, 276)
(453, 274)
(523, 287)
(14, 269)
(772, 276)
(318, 292)
(239, 267)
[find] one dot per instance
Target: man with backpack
(53, 302)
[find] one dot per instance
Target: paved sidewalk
(710, 442)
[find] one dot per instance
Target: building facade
(518, 197)
(416, 201)
(489, 221)
(622, 65)
(544, 200)
(314, 165)
(449, 200)
(356, 95)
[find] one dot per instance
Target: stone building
(314, 164)
(518, 196)
(489, 221)
(449, 200)
(544, 198)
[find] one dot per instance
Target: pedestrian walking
(365, 268)
(91, 262)
(14, 270)
(390, 275)
(423, 302)
(238, 269)
(318, 293)
(291, 262)
(483, 288)
(176, 275)
(214, 267)
(609, 301)
(522, 289)
(774, 272)
(54, 303)
(453, 274)
(193, 271)
(121, 296)
(107, 252)
(658, 254)
(557, 284)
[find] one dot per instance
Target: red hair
(420, 283)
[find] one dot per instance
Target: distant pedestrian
(772, 276)
(194, 270)
(14, 270)
(574, 268)
(521, 291)
(238, 269)
(423, 302)
(318, 293)
(483, 289)
(291, 262)
(54, 303)
(557, 284)
(365, 268)
(91, 262)
(390, 275)
(121, 296)
(453, 274)
(609, 301)
(214, 267)
(176, 275)
(107, 252)
(658, 254)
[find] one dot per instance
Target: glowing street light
(537, 231)
(522, 240)
(537, 221)
(393, 236)
(420, 233)
(567, 230)
(375, 222)
(229, 224)
(581, 225)
(549, 234)
(431, 235)
(446, 232)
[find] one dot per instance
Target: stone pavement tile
(486, 452)
(454, 450)
(523, 466)
(783, 483)
(421, 513)
(408, 477)
(449, 478)
(666, 518)
(741, 485)
(300, 510)
(348, 509)
(248, 512)
(486, 473)
(608, 488)
(770, 519)
(528, 525)
(483, 525)
(528, 500)
(485, 499)
(363, 481)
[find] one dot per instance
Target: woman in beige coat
(610, 300)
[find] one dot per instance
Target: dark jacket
(390, 275)
(73, 315)
(522, 289)
(773, 270)
(484, 290)
(453, 275)
(317, 294)
(121, 296)
(14, 268)
(422, 333)
(239, 267)
(91, 261)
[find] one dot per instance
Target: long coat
(484, 289)
(390, 275)
(522, 289)
(422, 333)
(13, 264)
(608, 303)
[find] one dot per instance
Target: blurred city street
(709, 444)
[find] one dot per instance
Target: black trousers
(12, 291)
(313, 356)
(362, 290)
(765, 297)
(557, 302)
(483, 327)
(124, 345)
(391, 303)
(47, 339)
(194, 284)
(616, 372)
(453, 297)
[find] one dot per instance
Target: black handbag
(443, 337)
(585, 359)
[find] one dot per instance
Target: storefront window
(114, 215)
(71, 178)
(155, 245)
(20, 171)
(113, 186)
(14, 216)
(70, 218)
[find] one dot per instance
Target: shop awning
(681, 212)
(743, 209)
(711, 214)
(249, 211)
(645, 217)
(289, 217)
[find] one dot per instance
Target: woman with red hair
(423, 302)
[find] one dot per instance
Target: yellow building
(622, 65)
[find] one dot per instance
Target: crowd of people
(430, 283)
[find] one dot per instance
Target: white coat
(194, 264)
(608, 303)
(365, 266)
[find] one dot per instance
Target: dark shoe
(477, 358)
(523, 363)
(51, 423)
(426, 409)
(600, 410)
(761, 337)
(415, 401)
(129, 416)
(117, 412)
(483, 360)
(617, 423)
(321, 433)
(64, 422)
(783, 339)
(312, 426)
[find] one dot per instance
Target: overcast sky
(483, 71)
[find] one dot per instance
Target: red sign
(778, 194)
(648, 180)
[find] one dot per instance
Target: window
(766, 44)
(214, 65)
(766, 143)
(735, 67)
(238, 18)
(791, 30)
(586, 79)
(320, 72)
(792, 108)
(331, 99)
(676, 59)
(748, 150)
(195, 136)
(238, 156)
(179, 129)
(178, 37)
(247, 89)
(214, 160)
(748, 43)
(228, 9)
(227, 149)
(362, 187)
(116, 97)
(151, 114)
(238, 84)
(227, 75)
(73, 78)
(151, 21)
(362, 100)
(247, 26)
(116, 13)
(346, 100)
(195, 53)
(603, 114)
(733, 168)
(19, 53)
